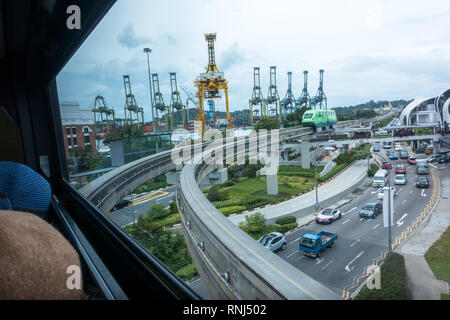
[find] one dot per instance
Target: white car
(328, 216)
(400, 179)
(381, 192)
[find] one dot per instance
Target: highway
(142, 203)
(360, 241)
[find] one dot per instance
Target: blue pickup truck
(313, 244)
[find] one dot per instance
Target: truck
(380, 178)
(313, 244)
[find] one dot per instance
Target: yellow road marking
(148, 197)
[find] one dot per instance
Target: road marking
(422, 193)
(294, 241)
(353, 260)
(148, 197)
(400, 190)
(327, 264)
(376, 227)
(346, 221)
(404, 201)
(361, 219)
(168, 196)
(349, 211)
(400, 221)
(432, 165)
(319, 261)
(355, 242)
(410, 192)
(291, 254)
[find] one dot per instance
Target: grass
(445, 296)
(251, 192)
(438, 257)
(393, 281)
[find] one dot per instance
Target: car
(422, 169)
(328, 216)
(382, 190)
(422, 182)
(397, 147)
(387, 145)
(121, 204)
(273, 241)
(400, 179)
(393, 156)
(412, 160)
(445, 159)
(386, 165)
(376, 149)
(404, 154)
(371, 210)
(400, 169)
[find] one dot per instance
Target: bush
(273, 228)
(254, 225)
(232, 209)
(372, 170)
(228, 183)
(289, 226)
(214, 193)
(393, 281)
(286, 220)
(187, 272)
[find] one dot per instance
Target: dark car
(121, 204)
(371, 210)
(422, 182)
(386, 165)
(422, 169)
(404, 154)
(445, 159)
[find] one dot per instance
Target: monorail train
(320, 120)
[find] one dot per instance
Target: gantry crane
(320, 100)
(273, 98)
(159, 105)
(289, 102)
(175, 103)
(131, 105)
(211, 82)
(102, 124)
(304, 99)
(257, 98)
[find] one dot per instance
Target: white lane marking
(376, 227)
(404, 201)
(400, 221)
(400, 190)
(346, 221)
(291, 254)
(410, 192)
(347, 267)
(294, 241)
(422, 193)
(319, 261)
(159, 199)
(432, 165)
(349, 211)
(355, 242)
(361, 219)
(327, 264)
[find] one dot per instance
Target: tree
(267, 123)
(214, 193)
(254, 225)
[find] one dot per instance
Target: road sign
(386, 207)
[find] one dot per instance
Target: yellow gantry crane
(210, 83)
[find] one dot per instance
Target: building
(421, 111)
(77, 126)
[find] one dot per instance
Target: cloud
(231, 57)
(128, 38)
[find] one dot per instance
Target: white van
(380, 178)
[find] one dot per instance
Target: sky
(370, 50)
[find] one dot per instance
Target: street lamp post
(147, 51)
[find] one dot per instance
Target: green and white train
(320, 120)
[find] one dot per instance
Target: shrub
(228, 183)
(273, 228)
(372, 170)
(187, 272)
(289, 226)
(286, 220)
(232, 209)
(214, 193)
(254, 225)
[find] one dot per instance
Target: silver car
(400, 179)
(273, 241)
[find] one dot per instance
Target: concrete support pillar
(306, 156)
(173, 177)
(117, 153)
(223, 175)
(272, 184)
